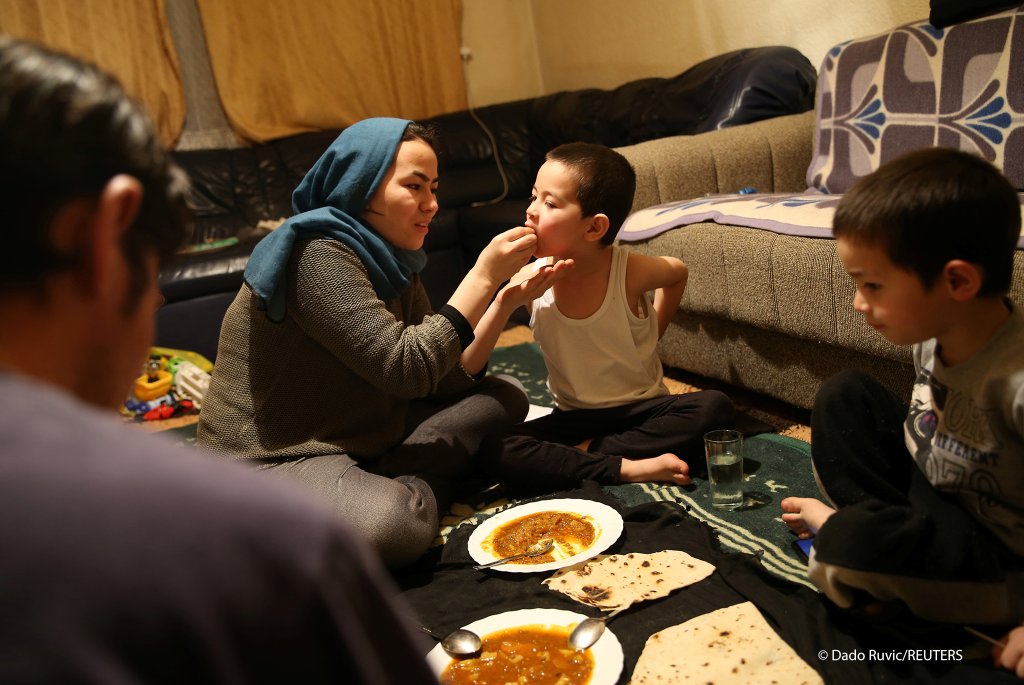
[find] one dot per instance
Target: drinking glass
(724, 451)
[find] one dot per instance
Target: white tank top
(609, 358)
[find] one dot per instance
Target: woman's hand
(506, 254)
(1011, 657)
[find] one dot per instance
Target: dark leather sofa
(481, 193)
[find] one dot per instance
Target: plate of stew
(579, 528)
(532, 644)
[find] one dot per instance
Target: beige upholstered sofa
(771, 310)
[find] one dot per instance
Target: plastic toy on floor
(163, 407)
(191, 380)
(172, 384)
(155, 382)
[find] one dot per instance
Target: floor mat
(525, 363)
(775, 467)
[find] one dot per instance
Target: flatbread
(730, 646)
(609, 582)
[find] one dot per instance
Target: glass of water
(724, 451)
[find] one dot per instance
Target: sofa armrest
(771, 156)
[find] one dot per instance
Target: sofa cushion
(209, 271)
(465, 154)
(918, 86)
(780, 283)
(233, 189)
(724, 91)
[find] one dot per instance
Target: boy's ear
(598, 227)
(962, 279)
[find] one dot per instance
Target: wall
(604, 43)
(504, 64)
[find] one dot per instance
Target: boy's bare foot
(805, 515)
(665, 468)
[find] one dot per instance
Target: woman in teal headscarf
(333, 368)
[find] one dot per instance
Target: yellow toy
(154, 383)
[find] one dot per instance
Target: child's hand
(529, 283)
(530, 270)
(1011, 657)
(523, 274)
(506, 253)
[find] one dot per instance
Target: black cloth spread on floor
(449, 594)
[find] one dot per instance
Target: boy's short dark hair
(66, 129)
(605, 182)
(932, 206)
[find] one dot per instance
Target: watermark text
(891, 655)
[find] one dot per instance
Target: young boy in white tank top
(598, 327)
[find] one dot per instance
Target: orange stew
(569, 531)
(535, 655)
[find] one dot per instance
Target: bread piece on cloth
(612, 581)
(729, 646)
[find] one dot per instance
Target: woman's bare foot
(805, 515)
(665, 468)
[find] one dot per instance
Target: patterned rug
(525, 363)
(775, 467)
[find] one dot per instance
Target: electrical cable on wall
(466, 55)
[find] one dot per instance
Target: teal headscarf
(329, 202)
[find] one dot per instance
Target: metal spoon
(535, 550)
(458, 643)
(587, 631)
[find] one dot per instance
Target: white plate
(607, 521)
(607, 651)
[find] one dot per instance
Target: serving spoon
(535, 550)
(589, 630)
(458, 643)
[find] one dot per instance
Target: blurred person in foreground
(125, 558)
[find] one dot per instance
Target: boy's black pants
(894, 535)
(541, 455)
